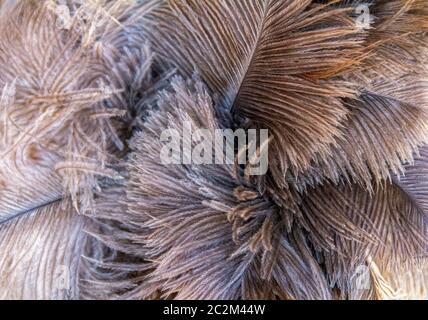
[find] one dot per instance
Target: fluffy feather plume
(272, 62)
(57, 136)
(396, 226)
(340, 214)
(281, 69)
(54, 105)
(203, 232)
(40, 253)
(388, 121)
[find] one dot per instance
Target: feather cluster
(88, 210)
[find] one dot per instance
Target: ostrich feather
(43, 261)
(58, 139)
(54, 104)
(203, 233)
(233, 43)
(89, 211)
(392, 100)
(395, 214)
(276, 63)
(351, 227)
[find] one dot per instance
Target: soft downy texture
(58, 139)
(200, 231)
(331, 93)
(54, 103)
(388, 121)
(126, 59)
(384, 131)
(358, 215)
(380, 233)
(271, 62)
(34, 211)
(397, 229)
(346, 109)
(357, 233)
(40, 254)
